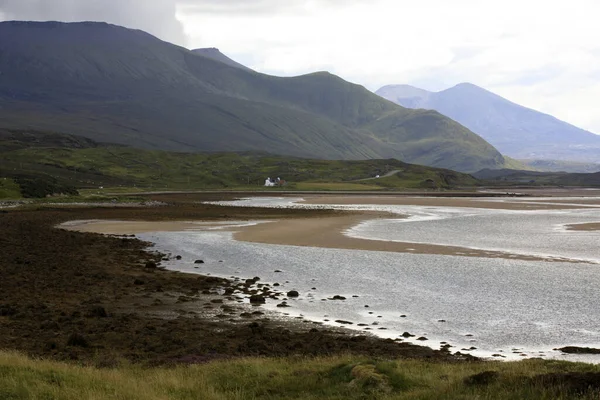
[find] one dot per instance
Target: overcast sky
(544, 54)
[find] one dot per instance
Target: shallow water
(510, 307)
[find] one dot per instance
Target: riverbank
(98, 299)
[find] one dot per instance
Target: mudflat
(100, 299)
(491, 203)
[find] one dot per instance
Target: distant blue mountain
(515, 130)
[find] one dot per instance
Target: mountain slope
(516, 131)
(215, 54)
(118, 85)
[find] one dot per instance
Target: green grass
(9, 189)
(98, 168)
(291, 378)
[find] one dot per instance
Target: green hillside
(69, 161)
(117, 85)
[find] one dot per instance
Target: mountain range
(516, 131)
(118, 85)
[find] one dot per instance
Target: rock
(257, 299)
(422, 338)
(256, 279)
(403, 316)
(579, 350)
(482, 378)
(97, 312)
(407, 335)
(340, 321)
(278, 270)
(293, 293)
(283, 304)
(151, 265)
(441, 320)
(178, 257)
(276, 284)
(199, 262)
(77, 339)
(338, 297)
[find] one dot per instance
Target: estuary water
(482, 306)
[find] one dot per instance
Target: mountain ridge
(517, 131)
(113, 84)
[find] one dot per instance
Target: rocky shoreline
(100, 299)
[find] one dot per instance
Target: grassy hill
(117, 85)
(534, 178)
(82, 163)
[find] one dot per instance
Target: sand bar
(134, 227)
(592, 226)
(325, 232)
(504, 204)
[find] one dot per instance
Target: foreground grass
(295, 378)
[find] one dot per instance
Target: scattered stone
(278, 270)
(407, 335)
(151, 265)
(199, 262)
(283, 304)
(441, 320)
(579, 350)
(341, 321)
(276, 284)
(422, 338)
(257, 299)
(78, 340)
(338, 297)
(178, 257)
(482, 378)
(403, 316)
(293, 293)
(97, 312)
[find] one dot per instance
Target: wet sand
(325, 232)
(496, 204)
(592, 226)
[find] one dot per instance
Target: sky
(543, 54)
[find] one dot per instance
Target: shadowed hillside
(113, 84)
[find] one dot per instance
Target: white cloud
(154, 16)
(542, 54)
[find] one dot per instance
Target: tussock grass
(339, 377)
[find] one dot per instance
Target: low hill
(516, 131)
(508, 177)
(113, 84)
(88, 164)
